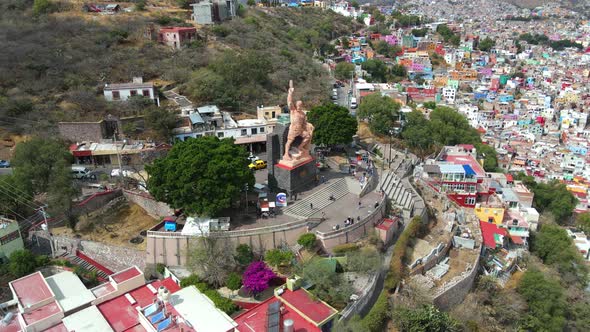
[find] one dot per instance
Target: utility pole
(118, 154)
(42, 208)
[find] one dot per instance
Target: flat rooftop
(200, 312)
(41, 313)
(87, 320)
(69, 290)
(125, 275)
(121, 314)
(255, 319)
(467, 160)
(31, 289)
(313, 310)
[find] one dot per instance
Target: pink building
(177, 37)
(390, 39)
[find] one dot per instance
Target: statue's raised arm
(290, 102)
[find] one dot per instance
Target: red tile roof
(488, 232)
(178, 29)
(386, 224)
(516, 239)
(313, 310)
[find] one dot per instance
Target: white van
(353, 102)
(79, 172)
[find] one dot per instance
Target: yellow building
(487, 214)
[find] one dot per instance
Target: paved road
(5, 171)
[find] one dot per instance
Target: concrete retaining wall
(455, 292)
(154, 208)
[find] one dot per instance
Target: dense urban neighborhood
(294, 165)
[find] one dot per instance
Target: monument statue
(299, 128)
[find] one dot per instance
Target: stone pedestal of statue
(295, 176)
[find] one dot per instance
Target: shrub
(160, 268)
(374, 321)
(278, 257)
(194, 280)
(307, 240)
(21, 263)
(397, 267)
(223, 303)
(234, 281)
(257, 277)
(244, 254)
(344, 248)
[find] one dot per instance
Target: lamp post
(246, 187)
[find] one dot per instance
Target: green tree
(486, 44)
(377, 69)
(244, 254)
(140, 5)
(160, 121)
(399, 71)
(278, 257)
(329, 285)
(234, 281)
(333, 125)
(380, 111)
(43, 7)
(251, 3)
(490, 159)
(448, 127)
(344, 42)
(556, 248)
(355, 4)
(203, 176)
(583, 222)
(38, 161)
(430, 105)
(366, 260)
(307, 240)
(211, 259)
(21, 263)
(383, 48)
(417, 135)
(14, 196)
(426, 319)
(343, 70)
(555, 198)
(546, 302)
(420, 32)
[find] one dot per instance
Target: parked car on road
(257, 164)
(4, 163)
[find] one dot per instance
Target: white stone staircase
(320, 199)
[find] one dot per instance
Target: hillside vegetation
(53, 65)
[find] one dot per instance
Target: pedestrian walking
(359, 205)
(311, 206)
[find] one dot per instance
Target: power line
(18, 199)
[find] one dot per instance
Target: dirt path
(116, 227)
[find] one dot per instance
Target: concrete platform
(347, 206)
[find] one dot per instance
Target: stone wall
(115, 258)
(95, 202)
(81, 131)
(154, 208)
(454, 292)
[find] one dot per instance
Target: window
(133, 92)
(261, 129)
(469, 200)
(273, 114)
(116, 95)
(254, 131)
(146, 93)
(9, 237)
(244, 132)
(220, 134)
